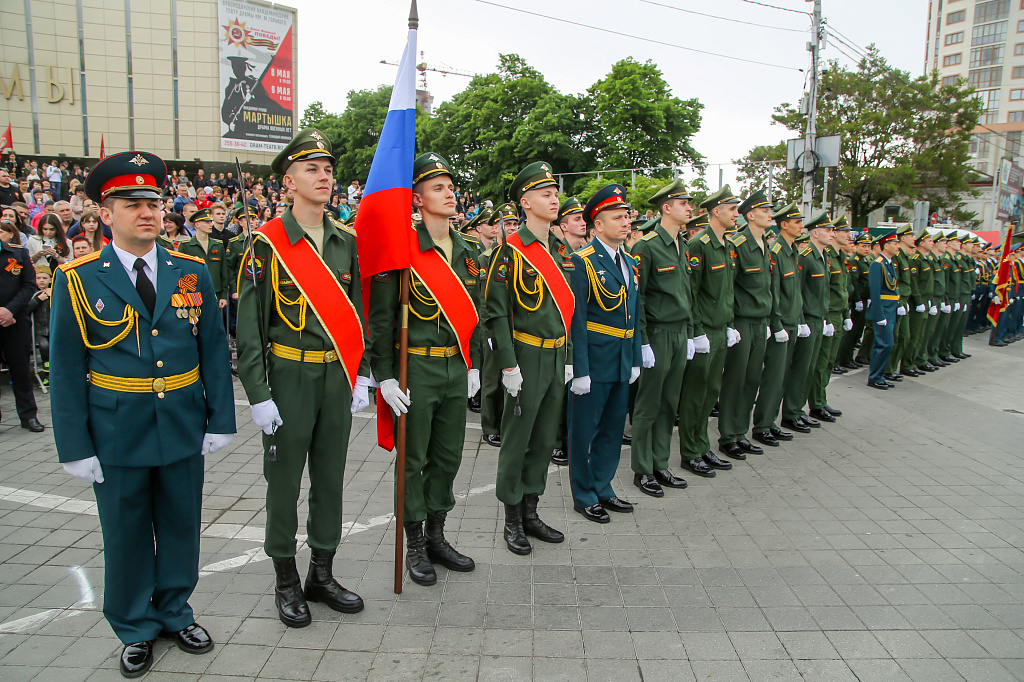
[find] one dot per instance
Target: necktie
(618, 264)
(145, 287)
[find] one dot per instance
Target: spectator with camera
(50, 246)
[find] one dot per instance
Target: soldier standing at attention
(712, 261)
(141, 391)
(941, 269)
(929, 273)
(529, 311)
(921, 274)
(570, 227)
(752, 308)
(203, 245)
(606, 357)
(443, 344)
(838, 318)
(885, 299)
(901, 329)
(813, 272)
(666, 328)
(858, 263)
(299, 292)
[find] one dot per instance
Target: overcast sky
(341, 45)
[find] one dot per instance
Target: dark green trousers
(798, 377)
(955, 331)
(702, 382)
(938, 335)
(850, 338)
(527, 440)
(741, 377)
(314, 401)
(434, 428)
(901, 339)
(924, 353)
(492, 395)
(864, 353)
(918, 327)
(657, 401)
(817, 396)
(778, 357)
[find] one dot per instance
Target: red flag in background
(102, 154)
(6, 140)
(1002, 280)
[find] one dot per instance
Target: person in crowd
(9, 233)
(50, 246)
(39, 308)
(174, 231)
(90, 224)
(17, 284)
(63, 210)
(8, 189)
(55, 177)
(77, 201)
(80, 246)
(183, 197)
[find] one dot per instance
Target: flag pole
(403, 383)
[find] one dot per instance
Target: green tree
(313, 115)
(753, 173)
(903, 139)
(636, 196)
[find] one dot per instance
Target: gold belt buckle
(331, 355)
(451, 351)
(159, 385)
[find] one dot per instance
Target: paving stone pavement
(886, 546)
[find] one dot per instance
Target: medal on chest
(187, 301)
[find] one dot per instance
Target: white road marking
(85, 603)
(46, 501)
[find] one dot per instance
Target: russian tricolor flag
(383, 220)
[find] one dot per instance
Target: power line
(712, 16)
(855, 60)
(847, 44)
(784, 9)
(636, 37)
(833, 29)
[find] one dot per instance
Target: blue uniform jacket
(601, 356)
(136, 429)
(884, 289)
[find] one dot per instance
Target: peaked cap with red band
(128, 175)
(609, 196)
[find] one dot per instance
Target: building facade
(149, 74)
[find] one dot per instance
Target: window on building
(981, 167)
(989, 117)
(954, 38)
(986, 56)
(1016, 95)
(956, 17)
(953, 59)
(985, 78)
(1020, 26)
(991, 11)
(1015, 117)
(979, 144)
(949, 80)
(989, 33)
(1013, 143)
(1018, 49)
(1018, 72)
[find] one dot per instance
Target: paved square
(887, 547)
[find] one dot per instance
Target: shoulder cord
(426, 301)
(279, 298)
(80, 302)
(602, 293)
(517, 276)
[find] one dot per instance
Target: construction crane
(423, 68)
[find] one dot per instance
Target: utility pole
(814, 47)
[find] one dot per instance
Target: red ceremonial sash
(322, 292)
(540, 258)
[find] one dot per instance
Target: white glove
(920, 308)
(512, 380)
(946, 308)
(901, 311)
(634, 374)
(361, 394)
(781, 336)
(956, 306)
(933, 310)
(847, 324)
(858, 306)
(394, 397)
(883, 322)
(212, 442)
(474, 382)
(691, 349)
(568, 374)
(997, 300)
(829, 330)
(266, 416)
(732, 337)
(647, 355)
(973, 297)
(767, 333)
(702, 344)
(803, 331)
(580, 385)
(88, 469)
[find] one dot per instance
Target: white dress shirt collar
(128, 261)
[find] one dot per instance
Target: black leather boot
(440, 551)
(534, 526)
(291, 605)
(515, 536)
(322, 587)
(420, 569)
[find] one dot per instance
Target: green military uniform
(752, 307)
(712, 265)
(212, 252)
(857, 268)
(945, 291)
(838, 312)
(560, 251)
(901, 332)
(964, 272)
(920, 304)
(814, 278)
(666, 325)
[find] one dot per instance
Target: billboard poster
(256, 76)
(1011, 180)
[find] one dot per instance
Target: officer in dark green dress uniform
(140, 390)
(941, 269)
(438, 381)
(857, 266)
(529, 306)
(606, 355)
(752, 307)
(561, 249)
(923, 286)
(666, 329)
(905, 277)
(203, 245)
(299, 293)
(838, 314)
(929, 274)
(885, 300)
(712, 264)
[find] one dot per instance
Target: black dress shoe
(766, 438)
(879, 385)
(780, 434)
(850, 365)
(927, 368)
(32, 425)
(832, 411)
(192, 640)
(938, 362)
(627, 440)
(822, 415)
(136, 659)
(714, 411)
(910, 373)
(648, 485)
(949, 359)
(732, 450)
(716, 462)
(863, 362)
(750, 448)
(474, 404)
(838, 370)
(795, 425)
(492, 439)
(559, 457)
(616, 505)
(699, 467)
(593, 513)
(892, 376)
(810, 422)
(667, 478)
(962, 356)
